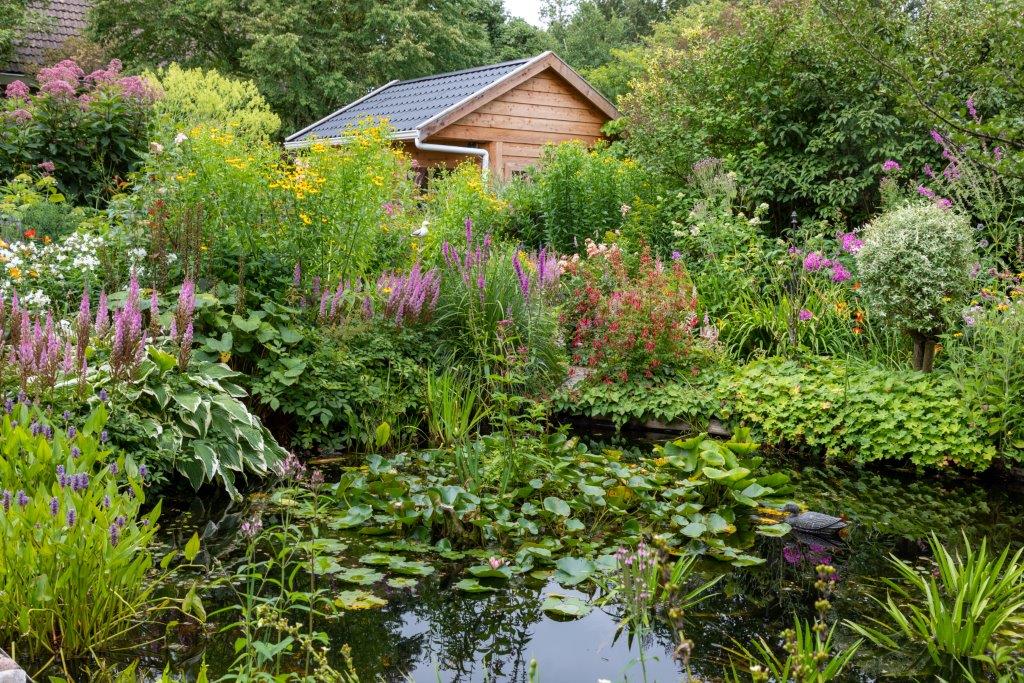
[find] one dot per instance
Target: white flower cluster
(32, 266)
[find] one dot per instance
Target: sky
(527, 9)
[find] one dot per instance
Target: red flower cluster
(624, 324)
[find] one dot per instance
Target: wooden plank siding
(515, 126)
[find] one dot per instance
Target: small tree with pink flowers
(87, 130)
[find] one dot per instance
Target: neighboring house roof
(422, 106)
(65, 19)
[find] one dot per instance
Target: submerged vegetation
(804, 270)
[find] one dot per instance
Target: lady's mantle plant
(915, 267)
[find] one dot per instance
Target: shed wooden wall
(515, 126)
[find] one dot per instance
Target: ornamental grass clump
(74, 546)
(915, 268)
(495, 310)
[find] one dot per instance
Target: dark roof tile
(408, 104)
(65, 19)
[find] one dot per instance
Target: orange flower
(856, 286)
(859, 316)
(857, 330)
(30, 233)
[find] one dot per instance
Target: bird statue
(422, 230)
(817, 523)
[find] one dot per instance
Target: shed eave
(345, 139)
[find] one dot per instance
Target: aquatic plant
(808, 648)
(965, 617)
(454, 407)
(76, 568)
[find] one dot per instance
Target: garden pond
(429, 629)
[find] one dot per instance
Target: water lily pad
(410, 568)
(326, 565)
(474, 586)
(359, 575)
(402, 582)
(358, 599)
(573, 570)
(483, 571)
(356, 515)
(378, 558)
(774, 530)
(565, 606)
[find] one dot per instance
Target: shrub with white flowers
(915, 269)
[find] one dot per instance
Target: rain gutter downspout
(485, 158)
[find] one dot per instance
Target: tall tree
(305, 57)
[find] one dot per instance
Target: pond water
(435, 632)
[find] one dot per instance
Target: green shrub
(771, 89)
(89, 132)
(454, 198)
(857, 413)
(195, 97)
(579, 194)
(914, 266)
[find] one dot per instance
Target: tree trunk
(929, 355)
(919, 344)
(924, 352)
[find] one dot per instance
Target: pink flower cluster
(412, 297)
(66, 78)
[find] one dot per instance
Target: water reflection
(436, 632)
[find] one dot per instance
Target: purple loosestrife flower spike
(524, 282)
(76, 452)
(297, 275)
(102, 315)
(84, 326)
(143, 471)
(22, 499)
(5, 499)
(54, 507)
(115, 535)
(71, 516)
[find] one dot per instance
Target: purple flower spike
(71, 516)
(22, 499)
(54, 507)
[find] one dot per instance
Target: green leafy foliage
(576, 193)
(76, 568)
(195, 423)
(962, 619)
(768, 88)
(856, 412)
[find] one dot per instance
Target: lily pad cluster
(696, 496)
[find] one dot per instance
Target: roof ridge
(460, 72)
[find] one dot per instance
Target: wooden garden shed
(501, 114)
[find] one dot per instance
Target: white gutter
(485, 158)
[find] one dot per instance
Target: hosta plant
(197, 422)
